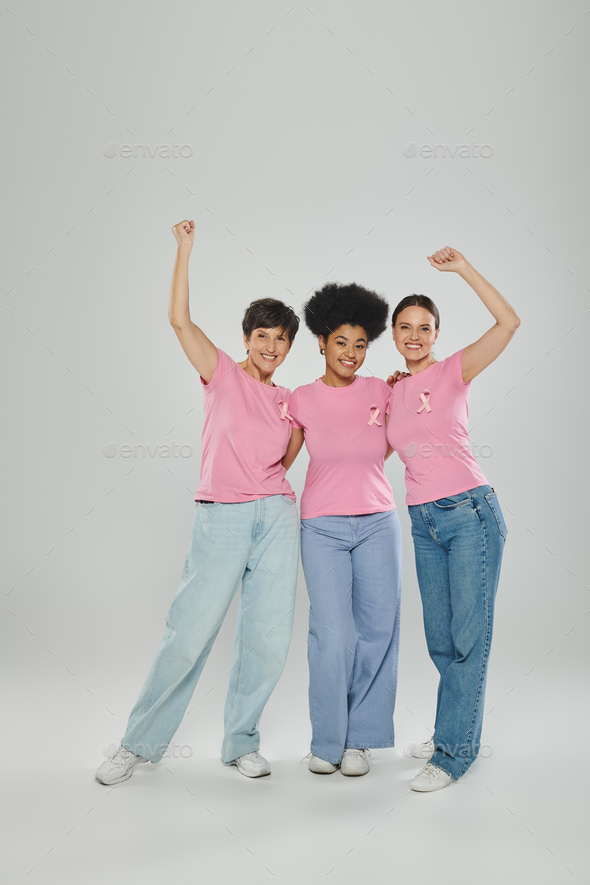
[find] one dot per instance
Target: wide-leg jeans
(459, 542)
(255, 544)
(352, 567)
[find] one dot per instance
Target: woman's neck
(254, 372)
(416, 366)
(331, 379)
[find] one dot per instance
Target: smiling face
(414, 333)
(268, 348)
(345, 348)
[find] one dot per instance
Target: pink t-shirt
(245, 434)
(428, 429)
(345, 436)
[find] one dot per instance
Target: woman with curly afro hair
(350, 535)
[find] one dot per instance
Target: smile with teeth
(347, 363)
(267, 356)
(414, 346)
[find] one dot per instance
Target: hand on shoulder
(397, 376)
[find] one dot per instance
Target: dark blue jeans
(459, 542)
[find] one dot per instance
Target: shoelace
(309, 755)
(254, 755)
(363, 753)
(431, 770)
(122, 755)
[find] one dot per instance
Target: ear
(436, 335)
(393, 331)
(322, 341)
(246, 343)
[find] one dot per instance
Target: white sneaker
(320, 766)
(355, 762)
(422, 751)
(118, 767)
(430, 778)
(252, 765)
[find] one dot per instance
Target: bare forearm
(294, 447)
(501, 310)
(178, 309)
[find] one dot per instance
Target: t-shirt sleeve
(388, 406)
(293, 408)
(224, 366)
(385, 392)
(452, 370)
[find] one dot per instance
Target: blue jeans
(352, 568)
(255, 543)
(459, 542)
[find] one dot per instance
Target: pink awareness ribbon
(425, 401)
(373, 417)
(284, 413)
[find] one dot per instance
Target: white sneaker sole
(432, 789)
(247, 773)
(354, 773)
(119, 780)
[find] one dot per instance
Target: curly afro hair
(337, 304)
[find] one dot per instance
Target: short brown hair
(269, 313)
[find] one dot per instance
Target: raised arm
(199, 349)
(294, 447)
(479, 355)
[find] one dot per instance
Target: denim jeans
(352, 568)
(255, 543)
(459, 542)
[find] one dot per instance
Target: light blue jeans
(255, 544)
(459, 542)
(352, 568)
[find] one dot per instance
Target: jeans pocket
(492, 500)
(452, 501)
(208, 504)
(287, 499)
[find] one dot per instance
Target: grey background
(297, 118)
